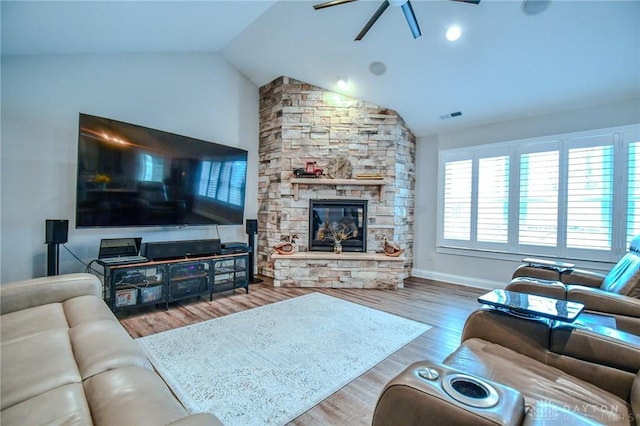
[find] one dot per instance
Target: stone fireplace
(300, 122)
(345, 217)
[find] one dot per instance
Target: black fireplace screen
(338, 219)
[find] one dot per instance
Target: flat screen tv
(130, 175)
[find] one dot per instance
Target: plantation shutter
(539, 173)
(633, 194)
(590, 197)
(457, 200)
(493, 199)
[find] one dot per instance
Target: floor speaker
(251, 226)
(56, 231)
(252, 229)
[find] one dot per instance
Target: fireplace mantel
(380, 183)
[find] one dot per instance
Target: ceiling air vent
(451, 115)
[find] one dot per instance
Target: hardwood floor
(441, 305)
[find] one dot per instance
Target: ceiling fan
(404, 4)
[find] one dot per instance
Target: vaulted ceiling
(506, 65)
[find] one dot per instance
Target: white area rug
(268, 365)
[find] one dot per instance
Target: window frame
(619, 138)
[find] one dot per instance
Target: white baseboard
(458, 279)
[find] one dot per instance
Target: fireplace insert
(345, 219)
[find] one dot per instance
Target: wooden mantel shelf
(352, 182)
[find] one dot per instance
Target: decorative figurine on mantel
(340, 168)
(391, 249)
(288, 246)
(311, 169)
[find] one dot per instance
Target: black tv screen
(130, 175)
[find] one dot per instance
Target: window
(571, 195)
(590, 197)
(493, 199)
(457, 200)
(538, 216)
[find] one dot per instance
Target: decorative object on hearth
(340, 168)
(310, 169)
(391, 249)
(338, 232)
(288, 246)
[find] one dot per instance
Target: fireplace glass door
(344, 220)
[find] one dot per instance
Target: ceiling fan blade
(374, 18)
(411, 19)
(331, 3)
(468, 1)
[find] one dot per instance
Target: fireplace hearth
(327, 217)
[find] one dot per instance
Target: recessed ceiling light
(453, 33)
(377, 68)
(342, 84)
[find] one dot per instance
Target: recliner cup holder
(469, 390)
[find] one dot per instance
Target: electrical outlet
(432, 256)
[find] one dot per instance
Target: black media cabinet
(161, 282)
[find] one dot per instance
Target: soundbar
(167, 250)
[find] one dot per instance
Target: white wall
(194, 94)
(482, 272)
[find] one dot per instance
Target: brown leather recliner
(518, 371)
(616, 294)
(622, 279)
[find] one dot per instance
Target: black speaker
(252, 230)
(252, 226)
(56, 231)
(181, 249)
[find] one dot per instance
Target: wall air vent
(451, 115)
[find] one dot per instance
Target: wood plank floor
(441, 305)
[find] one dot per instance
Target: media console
(161, 282)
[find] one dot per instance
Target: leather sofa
(520, 371)
(67, 360)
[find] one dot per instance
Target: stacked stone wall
(300, 122)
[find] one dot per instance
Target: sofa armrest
(597, 344)
(526, 335)
(411, 398)
(604, 301)
(538, 286)
(582, 277)
(25, 294)
(199, 419)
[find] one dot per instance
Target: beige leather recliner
(517, 371)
